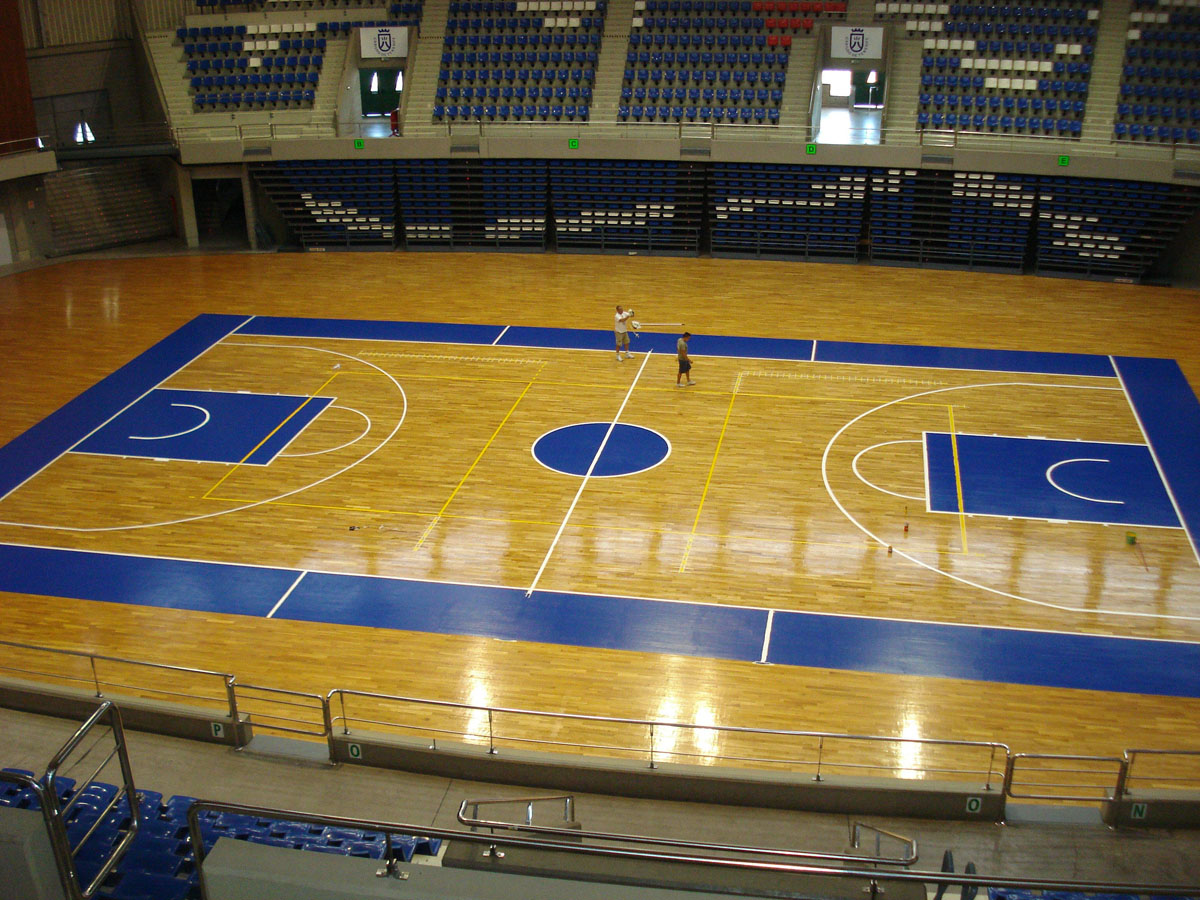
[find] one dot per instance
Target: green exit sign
(1064, 160)
(573, 143)
(811, 149)
(359, 143)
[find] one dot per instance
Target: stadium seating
(493, 52)
(718, 62)
(160, 864)
(1159, 97)
(812, 212)
(1011, 69)
(627, 205)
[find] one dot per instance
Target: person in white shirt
(621, 328)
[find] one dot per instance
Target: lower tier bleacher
(160, 863)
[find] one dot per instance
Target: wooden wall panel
(67, 22)
(18, 120)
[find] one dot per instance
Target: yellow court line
(708, 481)
(471, 469)
(962, 518)
(239, 463)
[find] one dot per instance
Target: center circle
(629, 449)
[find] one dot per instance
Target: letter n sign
(1137, 812)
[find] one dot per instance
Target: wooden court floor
(750, 526)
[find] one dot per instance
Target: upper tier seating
(1014, 69)
(519, 61)
(1160, 80)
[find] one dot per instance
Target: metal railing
(24, 145)
(781, 862)
(55, 813)
(797, 136)
(226, 697)
(288, 712)
(808, 750)
(474, 822)
(1181, 770)
(1065, 777)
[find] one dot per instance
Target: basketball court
(857, 526)
(971, 507)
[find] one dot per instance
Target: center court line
(287, 593)
(588, 474)
(767, 636)
(500, 335)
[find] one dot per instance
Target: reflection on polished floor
(740, 516)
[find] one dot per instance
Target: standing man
(685, 363)
(621, 328)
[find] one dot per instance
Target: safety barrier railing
(784, 135)
(777, 861)
(1064, 777)
(113, 674)
(23, 145)
(279, 710)
(820, 754)
(473, 822)
(55, 812)
(1160, 769)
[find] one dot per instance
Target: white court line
(767, 635)
(1056, 485)
(603, 596)
(167, 437)
(287, 593)
(854, 466)
(500, 335)
(959, 578)
(591, 468)
(365, 432)
(1162, 476)
(137, 399)
(299, 490)
(813, 357)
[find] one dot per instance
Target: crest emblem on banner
(856, 42)
(383, 41)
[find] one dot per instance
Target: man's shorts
(685, 366)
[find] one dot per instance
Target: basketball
(636, 326)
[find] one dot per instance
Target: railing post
(653, 764)
(231, 696)
(491, 734)
(1009, 766)
(95, 677)
(987, 785)
(820, 754)
(1120, 788)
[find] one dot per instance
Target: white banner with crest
(383, 43)
(855, 43)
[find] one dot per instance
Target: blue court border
(1164, 403)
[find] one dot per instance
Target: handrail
(872, 875)
(568, 801)
(1011, 784)
(227, 679)
(576, 834)
(55, 816)
(270, 720)
(821, 736)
